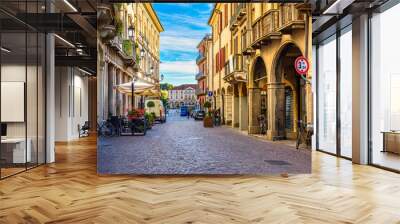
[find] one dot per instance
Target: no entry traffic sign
(301, 65)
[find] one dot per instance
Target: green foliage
(127, 47)
(151, 104)
(166, 86)
(207, 104)
(150, 117)
(119, 26)
(164, 98)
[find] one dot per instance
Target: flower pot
(208, 122)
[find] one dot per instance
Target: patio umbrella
(138, 85)
(148, 92)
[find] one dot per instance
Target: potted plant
(149, 119)
(132, 114)
(208, 120)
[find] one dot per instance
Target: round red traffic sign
(301, 65)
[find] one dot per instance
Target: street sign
(301, 65)
(210, 93)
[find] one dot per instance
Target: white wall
(71, 102)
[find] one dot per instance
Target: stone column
(254, 110)
(243, 112)
(235, 111)
(276, 111)
(228, 109)
(111, 90)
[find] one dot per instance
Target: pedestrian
(188, 114)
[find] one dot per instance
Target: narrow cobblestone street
(184, 146)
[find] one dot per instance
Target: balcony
(245, 47)
(116, 43)
(235, 69)
(238, 15)
(128, 52)
(291, 18)
(200, 92)
(200, 58)
(200, 75)
(266, 28)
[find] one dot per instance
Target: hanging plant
(127, 47)
(118, 26)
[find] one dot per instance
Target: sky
(185, 24)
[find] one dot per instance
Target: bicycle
(262, 123)
(106, 129)
(304, 133)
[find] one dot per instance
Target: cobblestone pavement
(183, 146)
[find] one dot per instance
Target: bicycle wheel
(298, 140)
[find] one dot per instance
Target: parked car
(158, 110)
(199, 115)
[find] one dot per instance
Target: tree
(166, 86)
(164, 97)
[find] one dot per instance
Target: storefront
(356, 81)
(385, 88)
(23, 89)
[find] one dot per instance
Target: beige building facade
(255, 46)
(128, 48)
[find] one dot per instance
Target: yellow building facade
(256, 76)
(128, 48)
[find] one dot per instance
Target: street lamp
(131, 32)
(142, 53)
(151, 70)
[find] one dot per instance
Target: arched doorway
(292, 92)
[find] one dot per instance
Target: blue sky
(185, 25)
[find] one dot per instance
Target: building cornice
(153, 15)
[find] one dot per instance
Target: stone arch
(288, 89)
(275, 77)
(259, 69)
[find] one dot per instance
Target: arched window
(259, 69)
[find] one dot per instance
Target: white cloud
(174, 43)
(179, 67)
